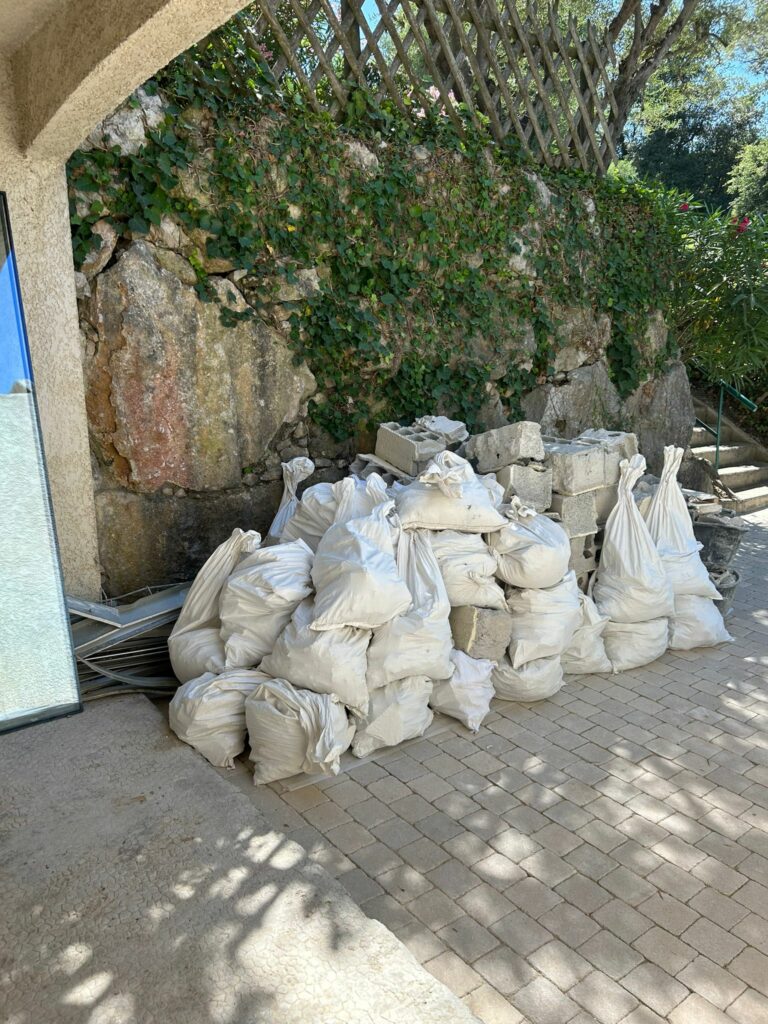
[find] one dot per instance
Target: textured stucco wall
(79, 60)
(38, 204)
(85, 59)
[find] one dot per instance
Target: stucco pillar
(37, 199)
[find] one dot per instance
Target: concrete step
(730, 454)
(751, 499)
(700, 436)
(739, 478)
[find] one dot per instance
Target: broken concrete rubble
(575, 467)
(481, 632)
(531, 483)
(577, 512)
(506, 445)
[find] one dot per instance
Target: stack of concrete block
(409, 449)
(585, 476)
(515, 453)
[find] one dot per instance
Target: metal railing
(725, 389)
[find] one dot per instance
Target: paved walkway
(602, 856)
(137, 886)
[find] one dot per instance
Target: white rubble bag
(536, 680)
(312, 516)
(671, 528)
(448, 496)
(397, 712)
(329, 661)
(259, 598)
(355, 575)
(356, 498)
(195, 644)
(585, 655)
(634, 644)
(543, 621)
(209, 713)
(294, 472)
(696, 623)
(467, 695)
(417, 642)
(293, 731)
(468, 568)
(531, 550)
(324, 504)
(631, 584)
(494, 488)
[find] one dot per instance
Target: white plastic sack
(537, 680)
(313, 515)
(543, 621)
(585, 655)
(293, 731)
(419, 641)
(633, 644)
(494, 488)
(259, 598)
(468, 568)
(531, 550)
(670, 526)
(397, 712)
(294, 472)
(696, 623)
(467, 695)
(197, 651)
(330, 661)
(355, 575)
(194, 645)
(631, 583)
(356, 498)
(209, 714)
(448, 496)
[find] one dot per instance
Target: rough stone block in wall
(531, 483)
(577, 512)
(575, 467)
(408, 448)
(501, 447)
(605, 502)
(481, 632)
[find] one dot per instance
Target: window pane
(38, 678)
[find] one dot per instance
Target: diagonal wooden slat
(546, 81)
(598, 103)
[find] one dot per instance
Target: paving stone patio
(601, 856)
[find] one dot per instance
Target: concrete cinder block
(575, 467)
(514, 442)
(584, 552)
(481, 632)
(605, 502)
(616, 444)
(577, 512)
(531, 483)
(408, 448)
(621, 441)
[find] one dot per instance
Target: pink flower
(684, 207)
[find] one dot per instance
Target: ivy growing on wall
(440, 268)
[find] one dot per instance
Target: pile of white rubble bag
(376, 600)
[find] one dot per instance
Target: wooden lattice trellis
(547, 83)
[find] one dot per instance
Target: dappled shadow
(138, 885)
